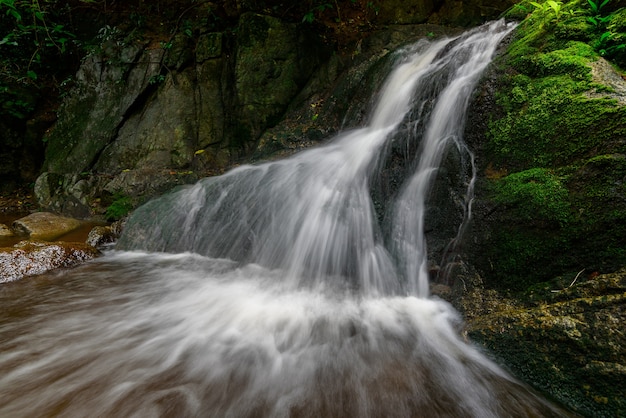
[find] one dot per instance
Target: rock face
(29, 258)
(143, 119)
(550, 193)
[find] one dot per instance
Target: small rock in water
(45, 225)
(101, 235)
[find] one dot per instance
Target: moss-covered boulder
(551, 196)
(549, 225)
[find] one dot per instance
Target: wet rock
(99, 236)
(29, 258)
(565, 337)
(5, 231)
(45, 225)
(603, 73)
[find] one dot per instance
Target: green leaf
(32, 75)
(593, 6)
(605, 36)
(539, 5)
(15, 14)
(555, 6)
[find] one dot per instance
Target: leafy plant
(157, 79)
(597, 19)
(596, 7)
(120, 207)
(309, 17)
(552, 9)
(33, 41)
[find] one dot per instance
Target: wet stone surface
(29, 258)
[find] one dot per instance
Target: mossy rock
(552, 194)
(568, 342)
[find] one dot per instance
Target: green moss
(537, 195)
(571, 59)
(618, 21)
(576, 28)
(563, 207)
(549, 122)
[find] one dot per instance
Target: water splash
(159, 335)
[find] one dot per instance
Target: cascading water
(285, 297)
(312, 215)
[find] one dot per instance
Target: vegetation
(558, 146)
(120, 206)
(34, 41)
(537, 195)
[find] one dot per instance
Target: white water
(294, 304)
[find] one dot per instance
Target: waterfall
(312, 215)
(273, 290)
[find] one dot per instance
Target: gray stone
(91, 116)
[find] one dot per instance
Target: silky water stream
(272, 290)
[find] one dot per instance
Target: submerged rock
(29, 258)
(45, 225)
(5, 231)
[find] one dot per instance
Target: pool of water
(77, 235)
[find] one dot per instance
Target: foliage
(553, 10)
(309, 17)
(120, 207)
(34, 42)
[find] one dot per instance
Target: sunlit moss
(535, 195)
